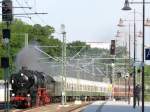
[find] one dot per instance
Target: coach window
(81, 87)
(101, 89)
(74, 86)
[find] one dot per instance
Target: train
(122, 92)
(32, 88)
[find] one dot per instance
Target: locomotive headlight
(12, 94)
(28, 95)
(12, 81)
(22, 74)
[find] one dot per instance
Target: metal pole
(6, 89)
(119, 86)
(78, 80)
(6, 77)
(63, 66)
(113, 81)
(6, 74)
(134, 69)
(62, 78)
(26, 40)
(129, 43)
(125, 87)
(129, 68)
(93, 73)
(125, 69)
(107, 72)
(64, 63)
(143, 56)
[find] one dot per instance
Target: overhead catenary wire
(42, 20)
(25, 12)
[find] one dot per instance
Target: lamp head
(118, 34)
(120, 24)
(140, 34)
(126, 5)
(147, 22)
(63, 28)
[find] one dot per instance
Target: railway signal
(7, 10)
(112, 47)
(4, 62)
(6, 33)
(6, 36)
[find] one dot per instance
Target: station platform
(115, 106)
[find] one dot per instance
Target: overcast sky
(85, 20)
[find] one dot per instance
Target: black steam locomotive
(30, 88)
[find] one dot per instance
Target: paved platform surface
(114, 106)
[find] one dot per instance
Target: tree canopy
(38, 33)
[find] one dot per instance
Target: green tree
(38, 33)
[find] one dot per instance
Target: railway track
(53, 107)
(77, 108)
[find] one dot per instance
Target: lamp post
(121, 25)
(63, 65)
(134, 70)
(113, 73)
(129, 41)
(143, 44)
(126, 7)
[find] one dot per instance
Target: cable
(25, 12)
(35, 4)
(26, 2)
